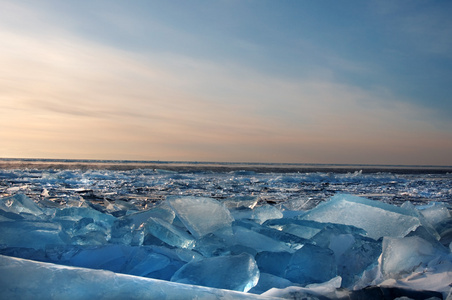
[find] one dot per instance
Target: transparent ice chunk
(20, 204)
(266, 212)
(325, 290)
(110, 257)
(308, 229)
(354, 254)
(237, 272)
(200, 215)
(378, 219)
(169, 234)
(129, 229)
(269, 281)
(259, 242)
(210, 245)
(240, 202)
(274, 263)
(27, 279)
(311, 264)
(435, 212)
(401, 256)
(290, 240)
(77, 213)
(31, 234)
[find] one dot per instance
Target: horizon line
(196, 162)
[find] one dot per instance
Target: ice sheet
(200, 215)
(26, 279)
(121, 220)
(376, 218)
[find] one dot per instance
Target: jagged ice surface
(232, 242)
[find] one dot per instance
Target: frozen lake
(268, 230)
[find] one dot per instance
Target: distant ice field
(72, 229)
(276, 184)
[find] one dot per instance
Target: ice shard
(269, 281)
(27, 279)
(32, 234)
(259, 242)
(169, 234)
(21, 204)
(274, 263)
(200, 215)
(311, 264)
(240, 202)
(237, 272)
(129, 229)
(435, 212)
(402, 256)
(378, 219)
(70, 215)
(266, 212)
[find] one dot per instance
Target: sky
(290, 81)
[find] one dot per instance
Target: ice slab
(129, 229)
(27, 279)
(378, 219)
(290, 240)
(269, 281)
(200, 215)
(426, 284)
(20, 204)
(124, 231)
(32, 234)
(354, 254)
(325, 290)
(308, 229)
(311, 264)
(435, 212)
(402, 256)
(444, 230)
(169, 234)
(240, 202)
(274, 263)
(266, 212)
(237, 272)
(76, 213)
(259, 242)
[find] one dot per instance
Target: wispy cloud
(68, 96)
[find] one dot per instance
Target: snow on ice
(83, 238)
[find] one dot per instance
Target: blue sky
(269, 81)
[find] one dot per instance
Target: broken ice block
(110, 257)
(74, 214)
(269, 281)
(291, 240)
(308, 229)
(20, 204)
(27, 279)
(240, 202)
(200, 215)
(161, 211)
(311, 264)
(378, 219)
(129, 229)
(273, 262)
(169, 234)
(266, 212)
(354, 254)
(30, 234)
(259, 242)
(237, 272)
(401, 256)
(435, 212)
